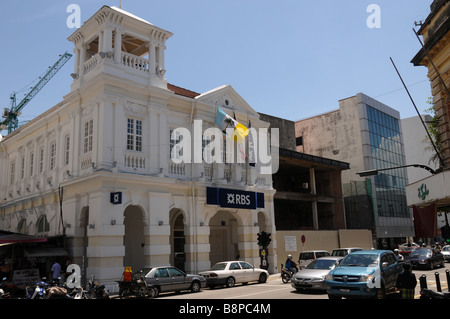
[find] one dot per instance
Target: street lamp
(372, 172)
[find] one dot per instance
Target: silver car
(446, 252)
(229, 273)
(169, 278)
(313, 276)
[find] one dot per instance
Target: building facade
(367, 134)
(309, 189)
(432, 193)
(97, 167)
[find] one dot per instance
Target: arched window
(42, 224)
(22, 226)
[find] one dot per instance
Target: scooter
(3, 286)
(287, 274)
(97, 291)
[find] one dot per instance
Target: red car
(406, 249)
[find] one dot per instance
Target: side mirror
(385, 264)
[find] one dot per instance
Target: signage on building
(116, 198)
(233, 198)
(423, 191)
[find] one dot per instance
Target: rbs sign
(234, 198)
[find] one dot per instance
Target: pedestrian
(406, 282)
(56, 271)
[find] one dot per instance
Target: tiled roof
(181, 91)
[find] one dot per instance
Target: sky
(289, 58)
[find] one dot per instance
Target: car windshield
(339, 252)
(446, 248)
(142, 272)
(359, 260)
(322, 264)
(219, 266)
(421, 252)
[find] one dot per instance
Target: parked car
(344, 251)
(313, 276)
(169, 278)
(306, 257)
(446, 252)
(230, 273)
(364, 273)
(426, 257)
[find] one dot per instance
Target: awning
(15, 238)
(44, 252)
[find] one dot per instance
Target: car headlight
(329, 277)
(365, 278)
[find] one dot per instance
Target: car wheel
(381, 293)
(262, 278)
(230, 282)
(152, 292)
(195, 287)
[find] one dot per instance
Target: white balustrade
(135, 62)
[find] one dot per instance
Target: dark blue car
(365, 273)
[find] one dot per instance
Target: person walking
(56, 271)
(406, 282)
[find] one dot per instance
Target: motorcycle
(287, 274)
(137, 287)
(3, 293)
(38, 292)
(431, 294)
(97, 291)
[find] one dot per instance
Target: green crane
(11, 115)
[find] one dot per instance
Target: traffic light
(445, 232)
(267, 239)
(259, 239)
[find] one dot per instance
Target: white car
(344, 251)
(230, 273)
(446, 252)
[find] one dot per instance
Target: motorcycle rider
(291, 265)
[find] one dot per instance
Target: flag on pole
(224, 121)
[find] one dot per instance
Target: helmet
(289, 256)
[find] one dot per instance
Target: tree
(433, 127)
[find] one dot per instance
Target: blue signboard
(233, 198)
(116, 198)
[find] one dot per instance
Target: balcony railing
(135, 62)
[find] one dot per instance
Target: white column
(107, 39)
(163, 143)
(154, 145)
(82, 60)
(161, 57)
(117, 46)
(152, 57)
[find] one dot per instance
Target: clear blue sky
(289, 58)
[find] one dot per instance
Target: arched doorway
(178, 239)
(134, 238)
(223, 238)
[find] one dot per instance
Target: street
(276, 289)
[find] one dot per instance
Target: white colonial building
(106, 149)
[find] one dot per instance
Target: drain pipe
(193, 206)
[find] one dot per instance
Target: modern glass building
(387, 151)
(367, 134)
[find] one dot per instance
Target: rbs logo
(238, 199)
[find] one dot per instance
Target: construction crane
(11, 114)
